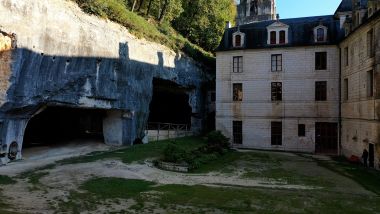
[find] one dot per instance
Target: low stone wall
(172, 167)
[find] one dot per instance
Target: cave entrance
(170, 104)
(56, 126)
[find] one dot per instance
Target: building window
(345, 53)
(276, 91)
(273, 39)
(370, 44)
(277, 62)
(370, 83)
(282, 37)
(238, 64)
(276, 133)
(237, 130)
(301, 130)
(320, 35)
(238, 41)
(321, 91)
(320, 61)
(345, 91)
(237, 92)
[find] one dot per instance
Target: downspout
(340, 103)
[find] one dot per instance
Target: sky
(303, 8)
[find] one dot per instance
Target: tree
(203, 21)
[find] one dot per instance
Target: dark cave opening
(170, 104)
(58, 125)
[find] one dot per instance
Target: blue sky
(302, 8)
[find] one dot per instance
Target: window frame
(237, 40)
(237, 132)
(321, 61)
(370, 83)
(237, 64)
(273, 37)
(321, 38)
(235, 92)
(321, 91)
(301, 130)
(276, 91)
(276, 62)
(276, 133)
(345, 89)
(370, 44)
(345, 55)
(282, 37)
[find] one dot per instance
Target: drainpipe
(340, 103)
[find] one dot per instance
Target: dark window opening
(345, 91)
(237, 64)
(237, 132)
(326, 138)
(237, 40)
(370, 44)
(282, 37)
(320, 35)
(276, 90)
(276, 62)
(57, 125)
(273, 39)
(276, 133)
(370, 83)
(301, 130)
(321, 91)
(237, 92)
(320, 61)
(345, 56)
(170, 104)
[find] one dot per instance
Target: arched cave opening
(61, 125)
(170, 104)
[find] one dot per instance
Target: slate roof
(301, 33)
(345, 5)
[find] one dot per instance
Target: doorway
(371, 157)
(326, 138)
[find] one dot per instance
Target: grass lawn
(334, 186)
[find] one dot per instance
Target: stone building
(303, 84)
(278, 84)
(360, 81)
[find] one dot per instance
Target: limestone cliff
(53, 54)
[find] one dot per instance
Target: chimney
(278, 16)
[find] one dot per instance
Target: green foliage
(5, 180)
(217, 142)
(203, 21)
(175, 154)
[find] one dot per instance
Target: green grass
(204, 199)
(368, 178)
(137, 152)
(116, 11)
(6, 180)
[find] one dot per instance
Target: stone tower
(256, 10)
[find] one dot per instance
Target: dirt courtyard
(241, 182)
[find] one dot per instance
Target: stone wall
(361, 112)
(298, 105)
(67, 58)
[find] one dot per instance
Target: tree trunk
(163, 11)
(141, 4)
(134, 4)
(149, 6)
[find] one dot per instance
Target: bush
(217, 142)
(175, 154)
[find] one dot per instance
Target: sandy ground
(59, 181)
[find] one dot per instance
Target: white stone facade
(298, 105)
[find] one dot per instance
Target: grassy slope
(164, 34)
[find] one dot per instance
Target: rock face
(52, 54)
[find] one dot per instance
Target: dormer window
(320, 34)
(273, 38)
(278, 33)
(238, 39)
